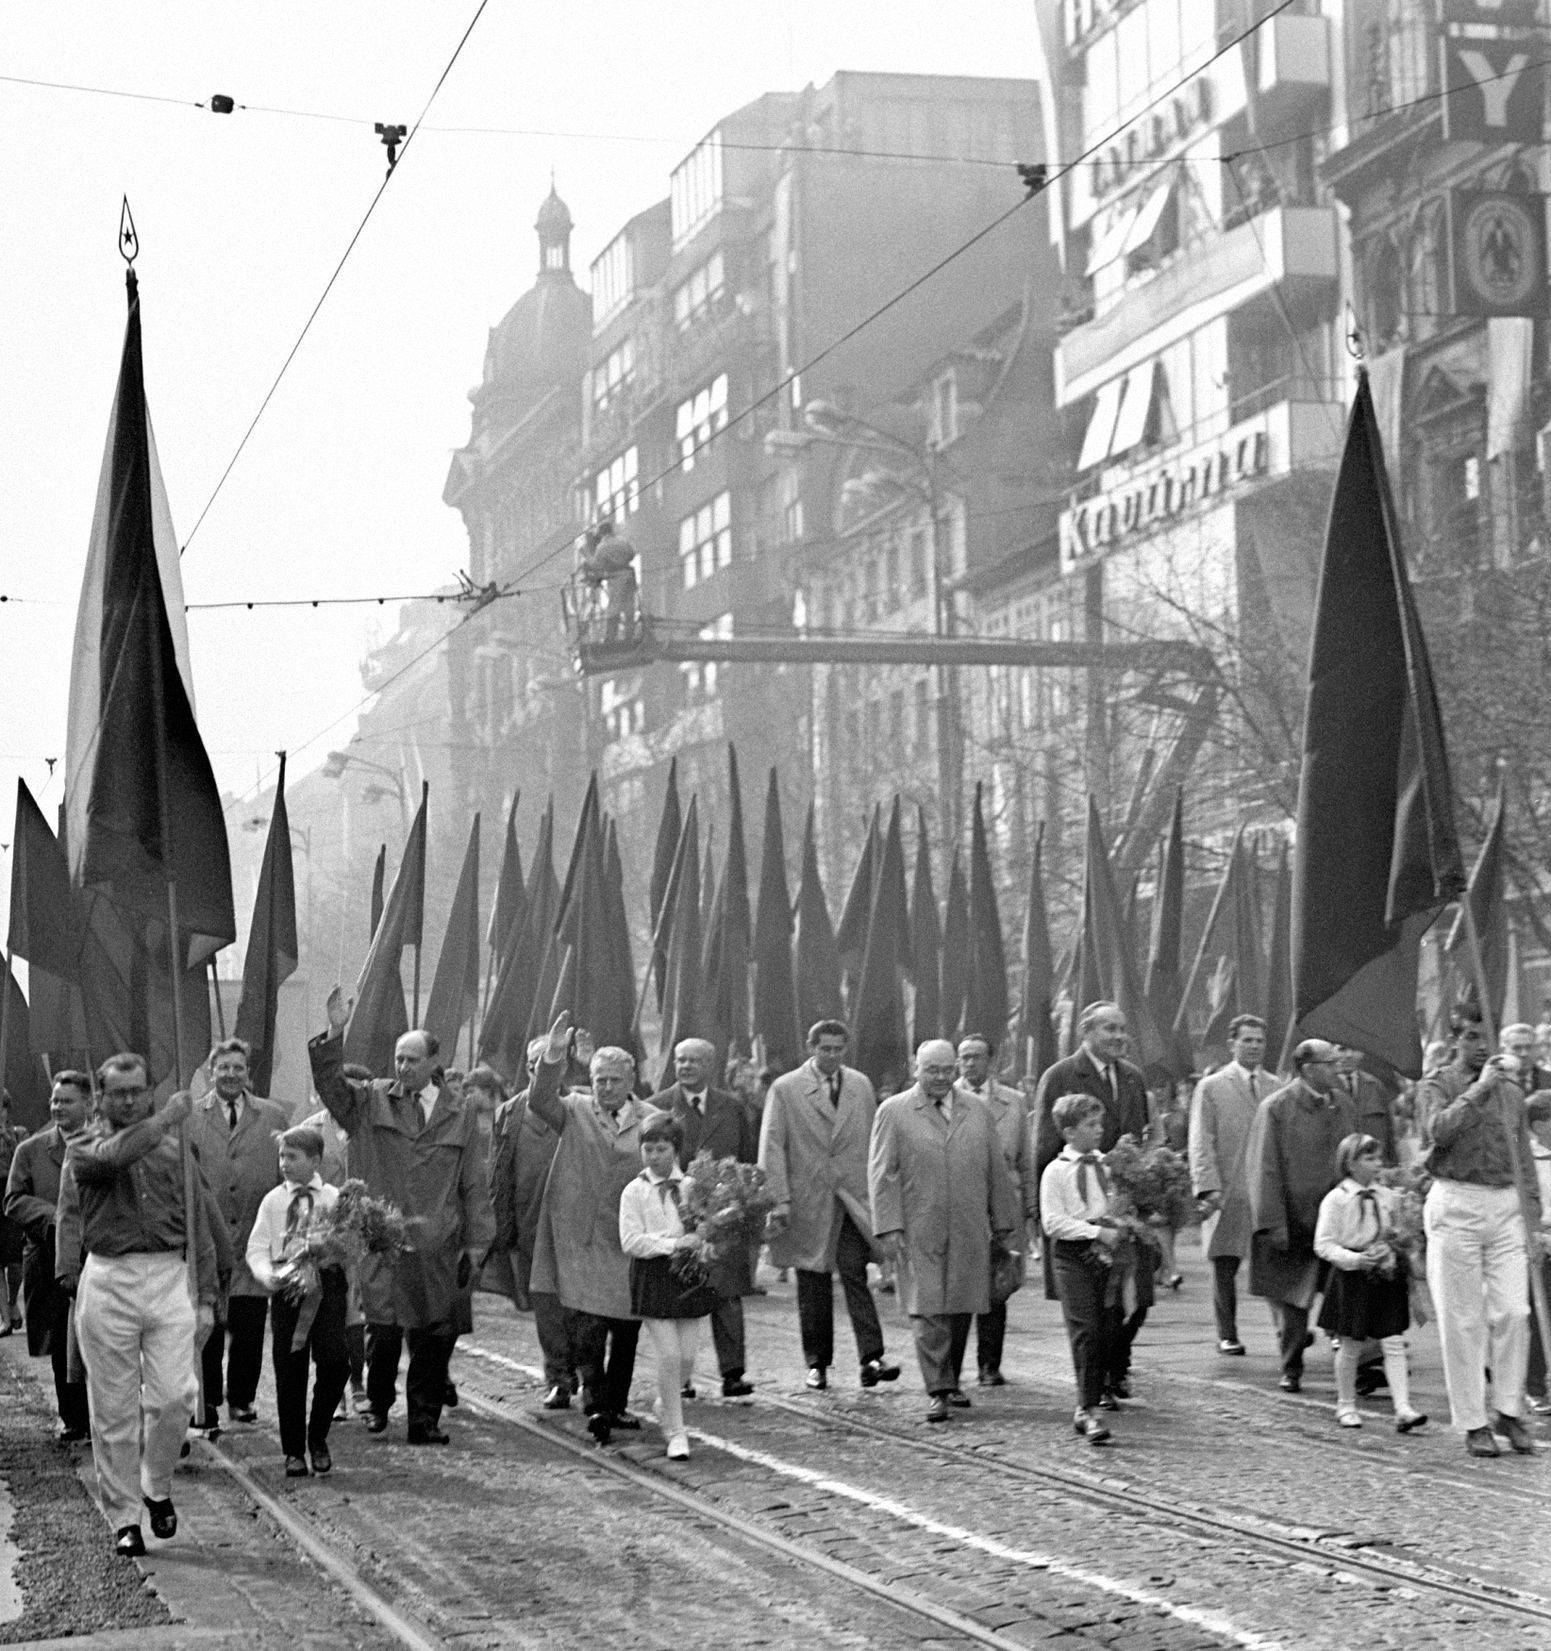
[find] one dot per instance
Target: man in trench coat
(414, 1143)
(813, 1146)
(941, 1194)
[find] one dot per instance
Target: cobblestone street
(1225, 1513)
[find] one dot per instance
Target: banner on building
(1493, 89)
(1516, 14)
(1497, 252)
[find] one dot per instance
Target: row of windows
(695, 191)
(889, 726)
(704, 287)
(705, 540)
(613, 278)
(617, 487)
(613, 375)
(623, 708)
(699, 418)
(1154, 45)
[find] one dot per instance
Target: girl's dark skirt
(657, 1292)
(1365, 1306)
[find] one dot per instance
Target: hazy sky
(241, 220)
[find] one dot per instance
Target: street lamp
(335, 764)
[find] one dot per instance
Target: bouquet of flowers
(723, 1204)
(1155, 1180)
(357, 1226)
(1406, 1236)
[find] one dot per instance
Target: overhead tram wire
(403, 149)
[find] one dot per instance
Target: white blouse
(1348, 1222)
(649, 1220)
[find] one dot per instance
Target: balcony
(1293, 248)
(1294, 75)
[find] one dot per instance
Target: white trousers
(674, 1342)
(1479, 1278)
(135, 1324)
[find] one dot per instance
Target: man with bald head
(941, 1195)
(716, 1121)
(1290, 1164)
(415, 1142)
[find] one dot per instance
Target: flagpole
(220, 1008)
(1537, 1281)
(416, 1020)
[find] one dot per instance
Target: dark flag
(379, 880)
(272, 944)
(682, 1015)
(22, 1070)
(775, 991)
(1219, 940)
(878, 1013)
(618, 926)
(1104, 940)
(925, 943)
(587, 982)
(1034, 1042)
(455, 985)
(1165, 942)
(1376, 856)
(956, 944)
(727, 941)
(818, 957)
(504, 1030)
(1490, 911)
(47, 931)
(985, 1010)
(1278, 996)
(380, 1018)
(670, 827)
(511, 892)
(856, 913)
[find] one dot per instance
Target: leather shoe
(1517, 1435)
(1233, 1348)
(242, 1413)
(1121, 1387)
(428, 1436)
(991, 1377)
(1370, 1378)
(598, 1426)
(450, 1395)
(322, 1462)
(937, 1410)
(1108, 1401)
(875, 1371)
(959, 1399)
(1291, 1384)
(817, 1380)
(734, 1387)
(687, 1391)
(558, 1398)
(164, 1518)
(1092, 1428)
(1409, 1424)
(74, 1435)
(1479, 1442)
(627, 1420)
(128, 1542)
(376, 1421)
(296, 1468)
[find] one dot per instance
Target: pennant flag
(379, 878)
(504, 1030)
(45, 928)
(380, 1018)
(455, 985)
(511, 893)
(818, 956)
(985, 1008)
(670, 827)
(1034, 1041)
(1376, 856)
(851, 935)
(681, 1005)
(1165, 942)
(727, 941)
(925, 943)
(954, 975)
(881, 1040)
(21, 1070)
(272, 944)
(586, 983)
(707, 883)
(1219, 939)
(775, 991)
(618, 921)
(1278, 994)
(1490, 910)
(1113, 963)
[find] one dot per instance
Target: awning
(1145, 223)
(1106, 246)
(1134, 408)
(1101, 425)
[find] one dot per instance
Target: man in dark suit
(31, 1200)
(1098, 1068)
(716, 1121)
(1371, 1102)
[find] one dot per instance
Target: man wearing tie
(1009, 1110)
(717, 1122)
(232, 1133)
(1221, 1112)
(1371, 1105)
(941, 1195)
(813, 1147)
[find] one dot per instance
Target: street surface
(1224, 1514)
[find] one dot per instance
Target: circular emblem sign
(1500, 250)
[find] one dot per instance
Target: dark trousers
(1091, 1327)
(553, 1323)
(355, 1347)
(243, 1333)
(605, 1360)
(69, 1396)
(425, 1381)
(727, 1336)
(1535, 1375)
(1225, 1296)
(990, 1336)
(940, 1342)
(816, 1303)
(326, 1348)
(1292, 1326)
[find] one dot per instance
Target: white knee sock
(1397, 1374)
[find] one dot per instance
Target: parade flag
(379, 882)
(504, 1030)
(618, 923)
(1218, 939)
(1278, 994)
(455, 985)
(22, 1072)
(1166, 940)
(44, 927)
(586, 982)
(682, 1015)
(954, 975)
(1034, 1040)
(380, 1018)
(817, 954)
(925, 942)
(775, 991)
(707, 881)
(273, 950)
(880, 1038)
(511, 890)
(856, 913)
(670, 827)
(727, 940)
(1377, 856)
(1113, 962)
(1490, 910)
(985, 1009)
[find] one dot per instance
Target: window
(700, 676)
(704, 288)
(696, 189)
(617, 488)
(700, 418)
(923, 715)
(897, 719)
(623, 712)
(613, 279)
(705, 540)
(614, 374)
(791, 505)
(945, 410)
(920, 551)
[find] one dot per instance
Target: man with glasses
(1290, 1164)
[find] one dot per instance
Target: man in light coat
(813, 1147)
(1221, 1112)
(941, 1196)
(1009, 1110)
(412, 1142)
(232, 1133)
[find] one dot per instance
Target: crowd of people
(158, 1244)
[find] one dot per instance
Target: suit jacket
(1010, 1112)
(239, 1169)
(1221, 1112)
(727, 1130)
(1375, 1112)
(31, 1198)
(814, 1156)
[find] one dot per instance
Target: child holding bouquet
(287, 1253)
(670, 1301)
(1368, 1291)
